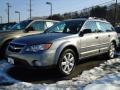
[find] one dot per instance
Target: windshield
(21, 25)
(71, 27)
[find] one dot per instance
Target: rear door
(105, 31)
(90, 41)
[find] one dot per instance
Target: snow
(105, 77)
(102, 86)
(4, 78)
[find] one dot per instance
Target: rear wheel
(112, 51)
(67, 62)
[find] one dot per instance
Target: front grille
(13, 47)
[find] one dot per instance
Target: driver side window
(37, 26)
(91, 25)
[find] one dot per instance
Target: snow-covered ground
(104, 77)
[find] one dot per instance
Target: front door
(89, 41)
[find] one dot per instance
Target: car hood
(40, 38)
(2, 32)
(6, 33)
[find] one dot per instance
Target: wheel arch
(114, 42)
(3, 47)
(4, 43)
(62, 49)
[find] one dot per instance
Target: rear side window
(105, 27)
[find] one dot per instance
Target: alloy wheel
(68, 62)
(112, 51)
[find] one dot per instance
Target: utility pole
(8, 11)
(30, 9)
(1, 19)
(49, 3)
(115, 17)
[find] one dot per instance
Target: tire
(112, 51)
(67, 62)
(3, 50)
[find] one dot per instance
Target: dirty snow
(4, 78)
(105, 77)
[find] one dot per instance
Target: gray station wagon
(64, 44)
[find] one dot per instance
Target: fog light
(36, 63)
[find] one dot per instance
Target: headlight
(36, 48)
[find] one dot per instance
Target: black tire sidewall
(60, 60)
(4, 49)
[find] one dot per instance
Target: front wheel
(3, 50)
(67, 62)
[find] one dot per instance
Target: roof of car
(84, 19)
(44, 20)
(89, 19)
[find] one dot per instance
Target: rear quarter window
(105, 27)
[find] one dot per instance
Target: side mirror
(85, 31)
(29, 29)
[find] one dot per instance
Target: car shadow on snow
(51, 75)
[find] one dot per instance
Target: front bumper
(42, 59)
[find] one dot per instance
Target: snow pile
(4, 78)
(102, 87)
(105, 77)
(108, 82)
(111, 78)
(24, 86)
(110, 67)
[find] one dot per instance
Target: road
(50, 75)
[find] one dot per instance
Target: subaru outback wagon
(64, 44)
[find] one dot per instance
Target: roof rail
(97, 18)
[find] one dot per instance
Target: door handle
(96, 37)
(108, 35)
